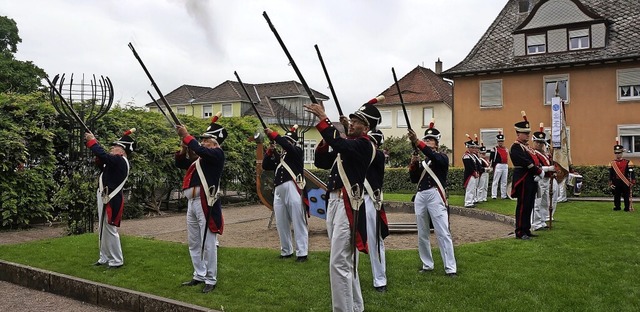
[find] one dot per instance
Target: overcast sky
(202, 42)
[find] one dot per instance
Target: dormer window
(579, 39)
(536, 44)
(523, 6)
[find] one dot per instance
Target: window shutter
(535, 40)
(491, 93)
(629, 77)
(578, 33)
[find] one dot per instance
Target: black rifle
(161, 110)
(291, 61)
(326, 74)
(176, 121)
(255, 109)
(404, 109)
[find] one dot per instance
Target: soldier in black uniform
(346, 218)
(377, 225)
(288, 204)
(621, 178)
(200, 186)
(471, 173)
(430, 202)
(115, 169)
(526, 174)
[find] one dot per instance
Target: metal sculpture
(81, 104)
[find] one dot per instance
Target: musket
(404, 109)
(255, 109)
(291, 61)
(161, 110)
(176, 121)
(326, 74)
(73, 112)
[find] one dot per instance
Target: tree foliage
(27, 158)
(16, 76)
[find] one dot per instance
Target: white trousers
(205, 264)
(541, 208)
(499, 178)
(429, 205)
(483, 185)
(289, 211)
(346, 295)
(562, 190)
(377, 258)
(110, 249)
(470, 196)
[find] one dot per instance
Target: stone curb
(407, 207)
(108, 296)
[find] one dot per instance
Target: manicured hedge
(595, 181)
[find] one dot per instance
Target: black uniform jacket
(471, 169)
(212, 163)
(356, 154)
(525, 166)
(114, 170)
(439, 164)
(293, 158)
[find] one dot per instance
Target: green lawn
(588, 262)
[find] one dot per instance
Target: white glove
(548, 168)
(539, 177)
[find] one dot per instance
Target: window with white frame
(309, 151)
(488, 137)
(427, 115)
(628, 84)
(181, 110)
(536, 44)
(400, 121)
(579, 39)
(491, 93)
(629, 136)
(385, 122)
(561, 82)
(207, 111)
(227, 110)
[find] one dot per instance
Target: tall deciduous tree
(16, 76)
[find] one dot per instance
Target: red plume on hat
(432, 132)
(377, 99)
(541, 127)
(292, 134)
(524, 115)
(126, 142)
(215, 117)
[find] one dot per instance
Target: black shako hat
(432, 132)
(523, 126)
(376, 136)
(471, 143)
(618, 148)
(215, 131)
(369, 113)
(540, 136)
(126, 142)
(500, 137)
(292, 134)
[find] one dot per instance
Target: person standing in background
(499, 161)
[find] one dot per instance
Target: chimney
(438, 67)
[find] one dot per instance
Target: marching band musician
(115, 169)
(429, 204)
(288, 205)
(547, 186)
(526, 174)
(621, 178)
(348, 162)
(200, 186)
